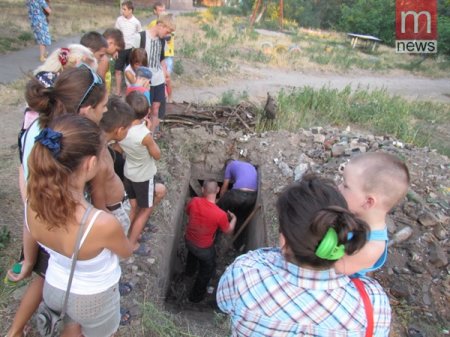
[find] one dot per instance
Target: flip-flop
(125, 288)
(151, 227)
(142, 250)
(146, 236)
(125, 316)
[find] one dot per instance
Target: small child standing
(107, 190)
(142, 83)
(373, 183)
(138, 58)
(129, 26)
(141, 152)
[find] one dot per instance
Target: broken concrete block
(427, 219)
(285, 169)
(438, 256)
(317, 130)
(338, 150)
(319, 138)
(300, 170)
(402, 235)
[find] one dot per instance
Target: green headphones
(328, 248)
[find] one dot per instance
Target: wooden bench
(369, 40)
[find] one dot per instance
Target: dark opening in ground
(180, 285)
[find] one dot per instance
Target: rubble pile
(416, 276)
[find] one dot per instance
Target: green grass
(231, 97)
(419, 123)
(161, 323)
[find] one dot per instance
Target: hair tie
(64, 56)
(46, 78)
(328, 248)
(51, 140)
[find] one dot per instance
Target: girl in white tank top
(61, 163)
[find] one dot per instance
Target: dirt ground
(415, 277)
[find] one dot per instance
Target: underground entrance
(253, 236)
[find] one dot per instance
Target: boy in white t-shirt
(129, 25)
(140, 168)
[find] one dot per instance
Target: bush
(444, 35)
(371, 17)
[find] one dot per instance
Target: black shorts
(143, 192)
(158, 93)
(40, 267)
(123, 59)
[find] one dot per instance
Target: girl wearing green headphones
(294, 290)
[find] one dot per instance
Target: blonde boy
(373, 183)
(152, 40)
(169, 50)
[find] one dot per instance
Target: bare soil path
(258, 81)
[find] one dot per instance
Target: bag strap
(368, 308)
(74, 258)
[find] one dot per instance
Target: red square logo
(416, 19)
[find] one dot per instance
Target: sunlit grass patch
(419, 123)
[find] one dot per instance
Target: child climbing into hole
(141, 153)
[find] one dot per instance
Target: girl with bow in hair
(63, 160)
(76, 91)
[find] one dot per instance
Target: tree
(371, 17)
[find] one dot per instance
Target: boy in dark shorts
(152, 40)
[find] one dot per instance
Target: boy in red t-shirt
(205, 218)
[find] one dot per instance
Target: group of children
(145, 57)
(71, 84)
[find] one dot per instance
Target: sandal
(152, 228)
(125, 288)
(125, 316)
(142, 250)
(146, 236)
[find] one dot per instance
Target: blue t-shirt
(376, 235)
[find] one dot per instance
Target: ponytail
(65, 96)
(306, 211)
(351, 232)
(53, 164)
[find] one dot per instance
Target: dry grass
(68, 18)
(204, 36)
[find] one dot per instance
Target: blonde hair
(167, 21)
(77, 54)
(383, 173)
